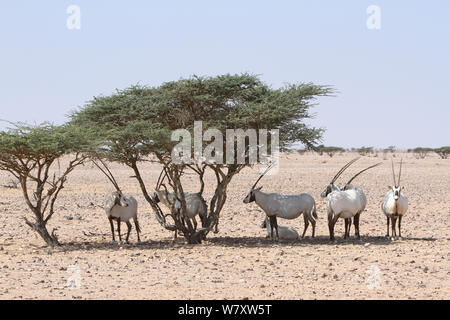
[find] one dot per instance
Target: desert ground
(239, 262)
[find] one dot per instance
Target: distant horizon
(391, 82)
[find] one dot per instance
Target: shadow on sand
(233, 242)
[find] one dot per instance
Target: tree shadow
(230, 242)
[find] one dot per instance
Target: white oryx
(120, 207)
(363, 203)
(277, 205)
(395, 204)
(346, 202)
(285, 233)
(195, 203)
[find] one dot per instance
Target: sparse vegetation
(12, 184)
(330, 151)
(443, 152)
(421, 152)
(365, 151)
(30, 154)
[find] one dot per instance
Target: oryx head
(396, 189)
(120, 199)
(251, 195)
(332, 187)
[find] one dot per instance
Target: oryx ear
(389, 188)
(403, 188)
(257, 189)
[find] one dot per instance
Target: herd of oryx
(346, 202)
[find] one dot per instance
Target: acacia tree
(421, 152)
(138, 122)
(30, 154)
(443, 152)
(330, 151)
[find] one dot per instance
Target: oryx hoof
(121, 243)
(113, 242)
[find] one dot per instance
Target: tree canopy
(29, 152)
(138, 122)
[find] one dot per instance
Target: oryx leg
(393, 222)
(387, 222)
(129, 230)
(306, 220)
(118, 230)
(347, 223)
(313, 224)
(136, 224)
(273, 225)
(112, 228)
(331, 224)
(356, 223)
(400, 226)
(194, 222)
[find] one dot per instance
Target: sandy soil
(238, 262)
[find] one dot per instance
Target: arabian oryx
(120, 207)
(395, 204)
(285, 233)
(277, 205)
(195, 203)
(363, 199)
(346, 202)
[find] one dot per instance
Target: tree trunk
(41, 228)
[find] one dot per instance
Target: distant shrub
(330, 151)
(365, 151)
(420, 152)
(443, 152)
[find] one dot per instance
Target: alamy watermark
(238, 151)
(74, 279)
(73, 21)
(374, 19)
(373, 280)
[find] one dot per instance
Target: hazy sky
(393, 83)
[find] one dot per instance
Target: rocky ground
(238, 262)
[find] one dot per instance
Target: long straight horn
(110, 178)
(262, 175)
(111, 175)
(393, 172)
(400, 173)
(343, 169)
(375, 165)
(158, 183)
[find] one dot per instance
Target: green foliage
(421, 152)
(330, 151)
(443, 152)
(138, 121)
(365, 151)
(29, 153)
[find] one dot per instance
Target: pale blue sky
(393, 83)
